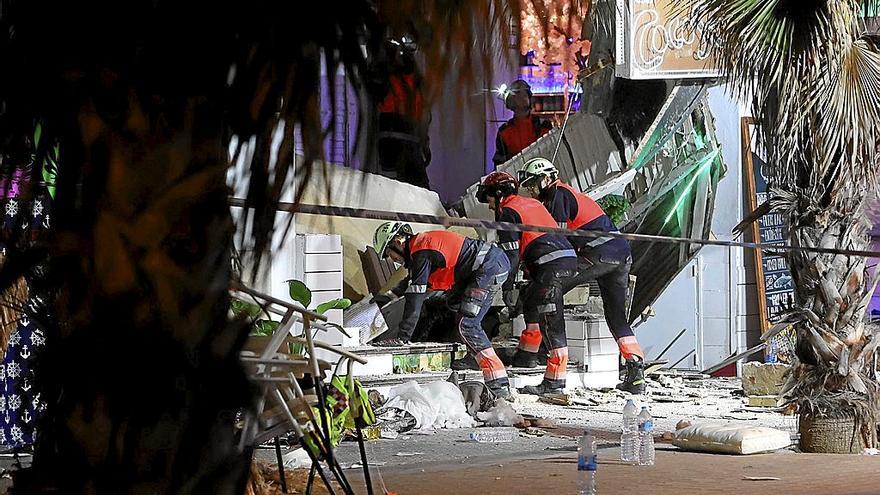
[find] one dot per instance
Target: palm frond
(814, 81)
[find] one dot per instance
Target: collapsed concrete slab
(334, 185)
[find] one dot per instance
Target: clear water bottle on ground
(587, 464)
(646, 438)
(629, 437)
(493, 435)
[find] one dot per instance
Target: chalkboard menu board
(775, 285)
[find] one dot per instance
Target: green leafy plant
(303, 295)
(298, 293)
(260, 326)
(615, 206)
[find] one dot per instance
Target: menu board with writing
(775, 285)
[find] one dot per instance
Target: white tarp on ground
(434, 405)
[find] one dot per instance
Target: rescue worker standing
(443, 260)
(523, 129)
(403, 147)
(604, 259)
(548, 259)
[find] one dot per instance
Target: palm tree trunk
(835, 374)
(142, 379)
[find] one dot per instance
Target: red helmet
(497, 185)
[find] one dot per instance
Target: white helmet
(537, 168)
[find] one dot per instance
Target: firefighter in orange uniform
(523, 129)
(604, 259)
(548, 259)
(443, 260)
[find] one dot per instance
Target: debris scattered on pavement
(295, 459)
(557, 399)
(761, 478)
(408, 454)
(871, 452)
(532, 432)
(500, 414)
(358, 465)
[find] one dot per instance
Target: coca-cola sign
(657, 39)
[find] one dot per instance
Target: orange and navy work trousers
(478, 295)
(611, 273)
(543, 312)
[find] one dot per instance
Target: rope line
(343, 211)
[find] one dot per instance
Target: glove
(382, 299)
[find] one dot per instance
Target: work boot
(468, 362)
(502, 393)
(523, 359)
(634, 380)
(544, 388)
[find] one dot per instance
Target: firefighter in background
(548, 260)
(443, 260)
(604, 259)
(521, 130)
(403, 147)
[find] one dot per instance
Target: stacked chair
(291, 395)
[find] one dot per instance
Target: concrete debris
(377, 400)
(391, 419)
(763, 401)
(356, 189)
(500, 414)
(296, 459)
(529, 421)
(531, 432)
(764, 379)
(557, 399)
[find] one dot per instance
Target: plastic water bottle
(587, 464)
(629, 437)
(646, 438)
(493, 435)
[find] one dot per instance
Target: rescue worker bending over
(443, 260)
(604, 259)
(548, 259)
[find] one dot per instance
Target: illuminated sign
(657, 40)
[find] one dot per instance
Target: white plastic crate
(318, 264)
(322, 243)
